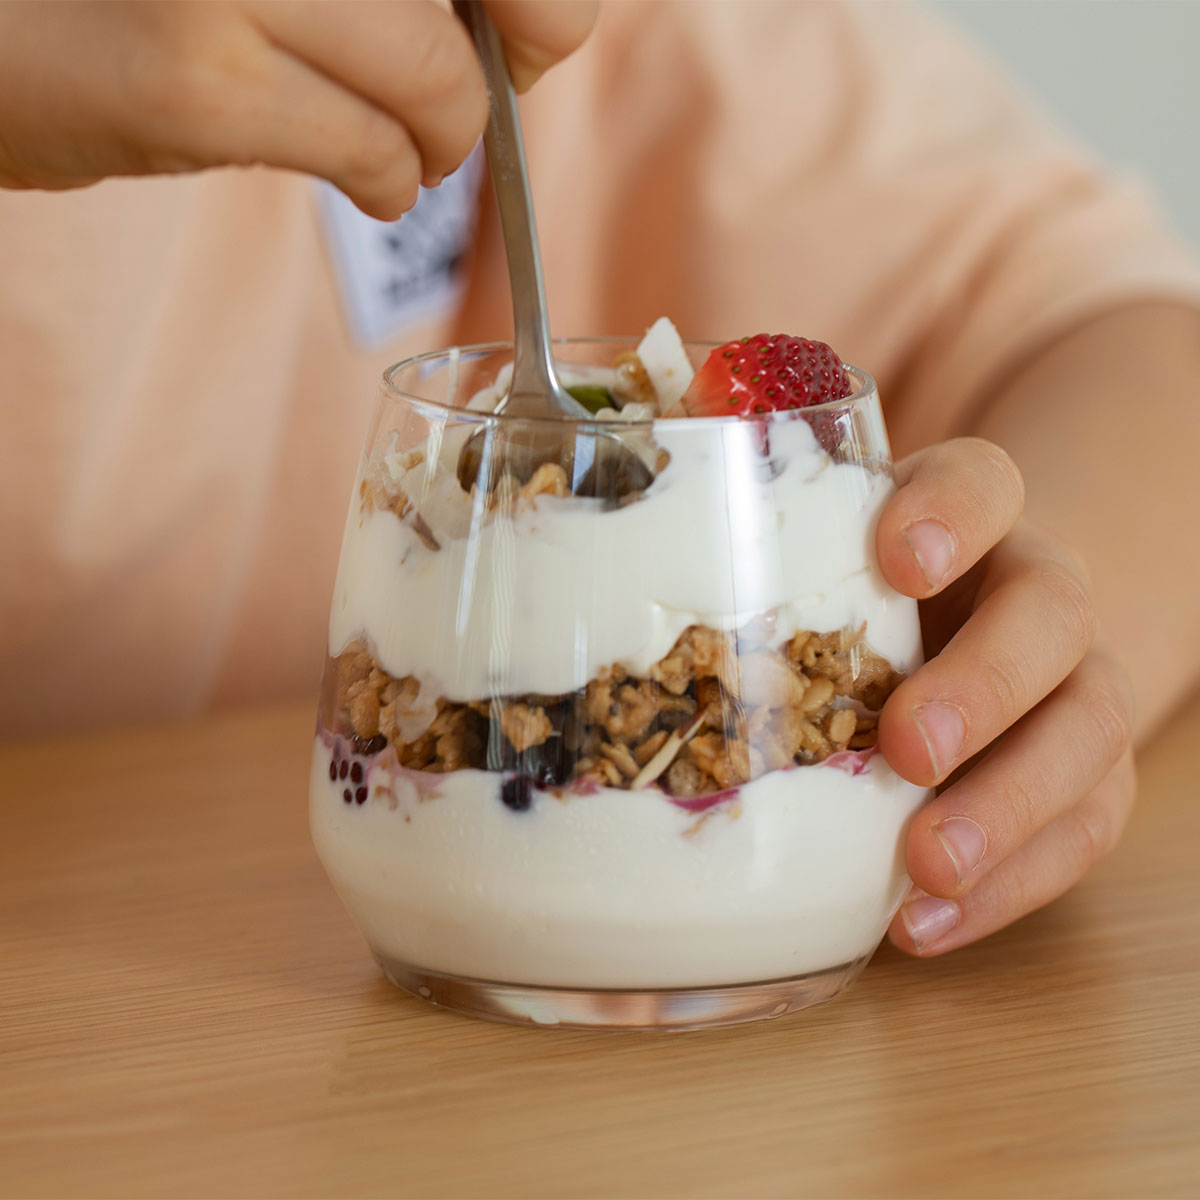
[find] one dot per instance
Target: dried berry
(368, 747)
(517, 792)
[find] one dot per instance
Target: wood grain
(186, 1010)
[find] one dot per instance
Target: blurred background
(1118, 74)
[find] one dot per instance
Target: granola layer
(716, 712)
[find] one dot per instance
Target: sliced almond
(666, 756)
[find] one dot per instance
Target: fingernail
(929, 918)
(932, 545)
(943, 729)
(964, 842)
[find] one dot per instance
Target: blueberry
(517, 792)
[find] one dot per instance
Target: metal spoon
(596, 462)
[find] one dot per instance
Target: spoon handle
(533, 362)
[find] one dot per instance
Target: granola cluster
(376, 492)
(380, 491)
(717, 711)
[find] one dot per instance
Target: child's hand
(1015, 672)
(375, 97)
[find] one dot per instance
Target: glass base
(665, 1009)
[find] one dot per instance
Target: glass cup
(609, 760)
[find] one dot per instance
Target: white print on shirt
(396, 275)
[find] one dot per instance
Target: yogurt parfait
(608, 758)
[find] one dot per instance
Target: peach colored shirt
(182, 408)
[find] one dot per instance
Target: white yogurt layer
(801, 872)
(542, 602)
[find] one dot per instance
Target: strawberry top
(766, 373)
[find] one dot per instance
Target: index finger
(413, 61)
(954, 502)
(538, 33)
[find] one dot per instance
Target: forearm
(1105, 426)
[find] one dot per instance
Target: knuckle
(1109, 712)
(454, 99)
(1095, 830)
(1123, 778)
(195, 85)
(1002, 466)
(1077, 563)
(1070, 558)
(189, 118)
(173, 87)
(1071, 600)
(1005, 684)
(442, 59)
(1021, 807)
(996, 466)
(380, 153)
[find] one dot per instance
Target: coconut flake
(666, 362)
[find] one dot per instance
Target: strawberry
(766, 373)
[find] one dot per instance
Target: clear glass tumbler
(609, 760)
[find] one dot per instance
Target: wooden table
(186, 1010)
